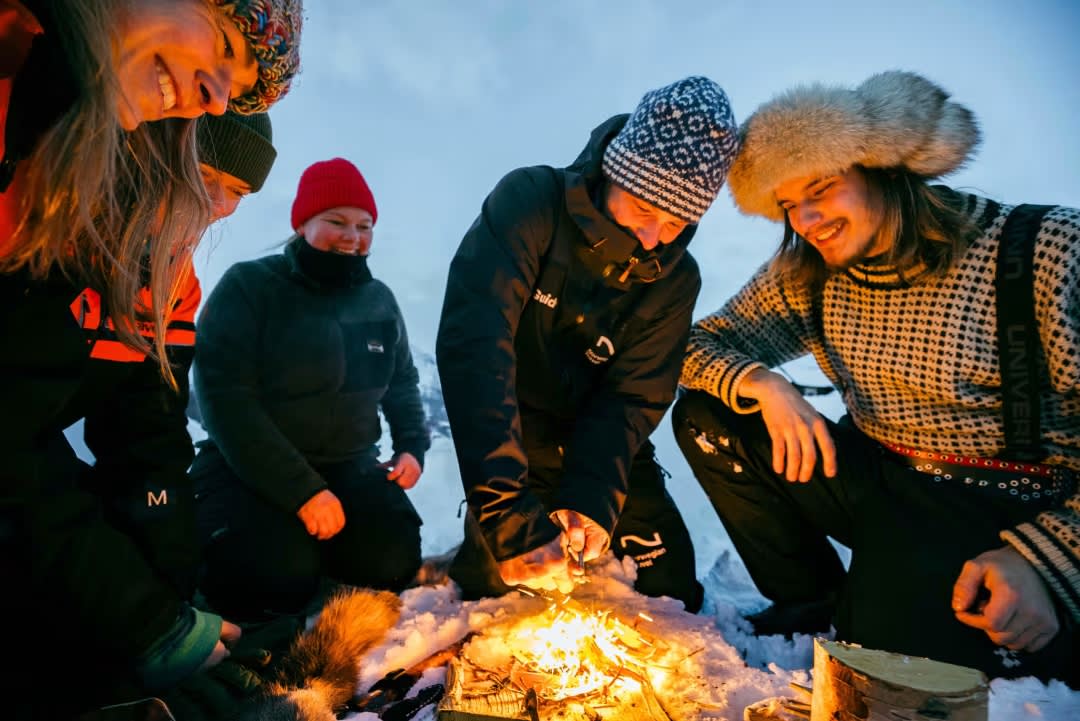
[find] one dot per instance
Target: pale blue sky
(435, 100)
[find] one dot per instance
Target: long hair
(927, 224)
(112, 209)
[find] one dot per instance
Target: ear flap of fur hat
(893, 120)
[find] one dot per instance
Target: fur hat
(675, 150)
(329, 184)
(893, 120)
(273, 29)
(240, 145)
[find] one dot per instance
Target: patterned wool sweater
(917, 364)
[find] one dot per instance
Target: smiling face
(344, 230)
(649, 224)
(840, 215)
(225, 191)
(180, 58)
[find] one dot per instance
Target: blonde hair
(112, 209)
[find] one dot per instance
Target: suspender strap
(1019, 349)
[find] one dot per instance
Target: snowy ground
(722, 668)
(718, 667)
(702, 675)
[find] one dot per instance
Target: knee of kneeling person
(396, 562)
(703, 419)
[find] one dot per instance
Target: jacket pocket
(369, 354)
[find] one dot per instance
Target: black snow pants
(909, 532)
(260, 560)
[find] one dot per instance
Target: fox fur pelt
(318, 675)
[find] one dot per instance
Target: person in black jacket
(102, 554)
(101, 203)
(565, 319)
(298, 354)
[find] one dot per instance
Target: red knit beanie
(331, 184)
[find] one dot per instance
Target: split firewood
(513, 702)
(857, 684)
(458, 705)
(777, 709)
(652, 707)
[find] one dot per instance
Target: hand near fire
(544, 568)
(558, 565)
(583, 539)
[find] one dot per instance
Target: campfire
(568, 661)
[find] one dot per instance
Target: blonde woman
(100, 199)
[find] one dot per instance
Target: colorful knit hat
(240, 145)
(273, 29)
(329, 184)
(895, 119)
(675, 150)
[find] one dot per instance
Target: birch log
(852, 683)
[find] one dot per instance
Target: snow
(724, 668)
(433, 127)
(712, 669)
(720, 667)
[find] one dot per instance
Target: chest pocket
(369, 354)
(590, 321)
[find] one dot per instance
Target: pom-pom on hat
(894, 119)
(273, 29)
(675, 150)
(333, 183)
(240, 145)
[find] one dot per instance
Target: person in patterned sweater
(959, 551)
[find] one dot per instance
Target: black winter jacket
(291, 374)
(62, 518)
(109, 549)
(586, 357)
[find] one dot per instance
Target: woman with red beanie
(299, 353)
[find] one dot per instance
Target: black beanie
(240, 145)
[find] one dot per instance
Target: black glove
(387, 690)
(268, 637)
(410, 707)
(217, 693)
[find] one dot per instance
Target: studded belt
(1028, 482)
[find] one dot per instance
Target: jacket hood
(610, 249)
(589, 160)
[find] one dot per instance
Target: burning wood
(565, 663)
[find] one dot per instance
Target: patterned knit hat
(893, 120)
(240, 145)
(273, 29)
(675, 150)
(329, 184)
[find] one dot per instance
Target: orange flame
(579, 652)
